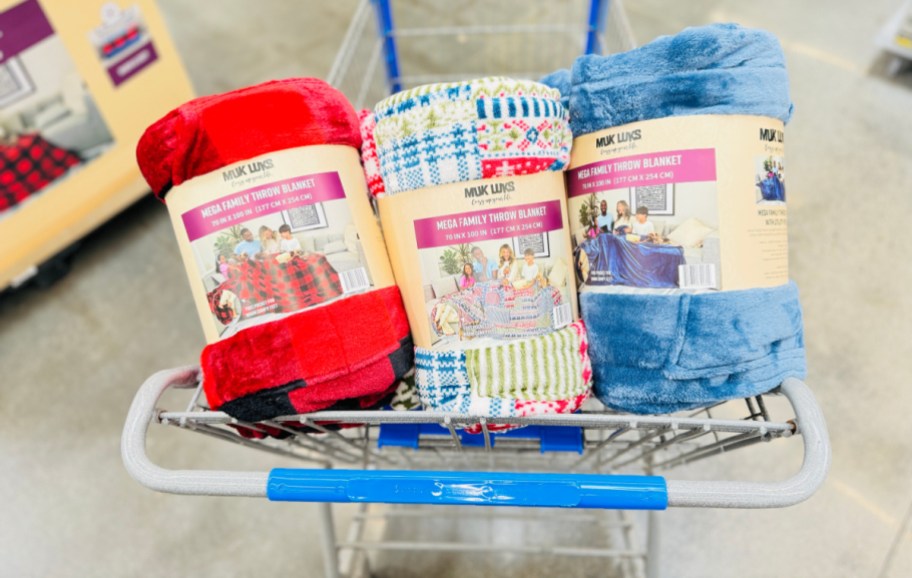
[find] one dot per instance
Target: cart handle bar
(475, 488)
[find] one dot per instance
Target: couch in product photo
(491, 309)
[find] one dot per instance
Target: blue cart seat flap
(469, 488)
(552, 438)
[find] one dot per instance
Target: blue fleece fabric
(716, 69)
(560, 79)
(656, 353)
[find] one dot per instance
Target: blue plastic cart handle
(469, 488)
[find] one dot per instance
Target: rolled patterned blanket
(664, 350)
(478, 135)
(343, 336)
(311, 359)
(716, 69)
(449, 133)
(547, 374)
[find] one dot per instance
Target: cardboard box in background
(79, 82)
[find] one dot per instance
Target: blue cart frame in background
(369, 64)
(594, 31)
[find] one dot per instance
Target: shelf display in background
(895, 38)
(78, 83)
(49, 122)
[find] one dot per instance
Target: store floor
(72, 356)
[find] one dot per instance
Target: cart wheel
(55, 268)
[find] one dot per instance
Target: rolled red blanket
(312, 359)
(214, 131)
(307, 315)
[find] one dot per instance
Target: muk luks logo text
(489, 189)
(618, 138)
(247, 170)
(771, 135)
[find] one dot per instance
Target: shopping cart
(412, 458)
(594, 469)
(389, 47)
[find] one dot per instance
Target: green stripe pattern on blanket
(545, 368)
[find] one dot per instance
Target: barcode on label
(561, 315)
(697, 276)
(354, 280)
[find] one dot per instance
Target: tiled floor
(72, 356)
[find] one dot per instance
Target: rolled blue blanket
(659, 353)
(716, 69)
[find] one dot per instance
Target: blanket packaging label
(481, 260)
(275, 234)
(691, 202)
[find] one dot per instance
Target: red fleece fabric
(350, 352)
(210, 132)
(352, 348)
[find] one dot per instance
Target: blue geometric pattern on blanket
(443, 385)
(446, 133)
(441, 377)
(435, 156)
(517, 107)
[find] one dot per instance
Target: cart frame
(653, 436)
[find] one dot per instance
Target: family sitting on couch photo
(508, 297)
(507, 270)
(637, 227)
(632, 248)
(262, 269)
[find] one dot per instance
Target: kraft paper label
(276, 234)
(482, 261)
(710, 191)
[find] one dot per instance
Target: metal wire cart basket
(400, 466)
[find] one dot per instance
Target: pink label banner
(21, 27)
(684, 166)
(500, 223)
(136, 62)
(261, 200)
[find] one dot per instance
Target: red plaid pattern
(29, 165)
(271, 286)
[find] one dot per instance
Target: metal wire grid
(384, 530)
(443, 40)
(612, 442)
